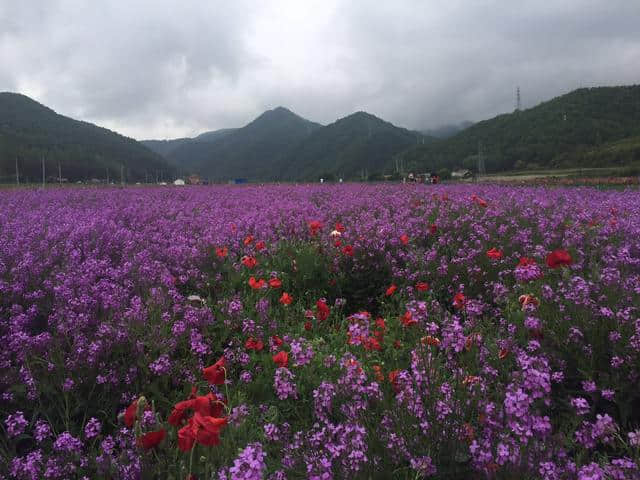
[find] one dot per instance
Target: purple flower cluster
(106, 295)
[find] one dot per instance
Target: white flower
(195, 299)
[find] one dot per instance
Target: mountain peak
(360, 116)
(278, 113)
(280, 116)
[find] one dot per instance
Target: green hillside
(356, 146)
(30, 131)
(559, 133)
(252, 151)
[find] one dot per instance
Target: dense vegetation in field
(320, 332)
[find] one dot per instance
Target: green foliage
(444, 173)
(584, 128)
(250, 152)
(280, 145)
(30, 131)
(352, 147)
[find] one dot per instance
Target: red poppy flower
(186, 437)
(130, 414)
(407, 319)
(215, 374)
(256, 284)
(339, 227)
(202, 429)
(526, 261)
(459, 300)
(249, 262)
(208, 404)
(323, 310)
(248, 240)
(504, 352)
(178, 413)
(151, 439)
(253, 344)
(275, 283)
(314, 227)
(433, 228)
(391, 290)
(261, 245)
(378, 373)
(494, 254)
(380, 323)
(422, 286)
(393, 379)
(207, 429)
(285, 299)
(222, 252)
(397, 344)
(372, 343)
(308, 325)
(404, 239)
(337, 243)
(558, 258)
(528, 300)
(281, 359)
(431, 341)
(276, 340)
(348, 250)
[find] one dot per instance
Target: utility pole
(59, 173)
(17, 175)
(481, 168)
(518, 99)
(43, 171)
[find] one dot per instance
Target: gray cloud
(166, 69)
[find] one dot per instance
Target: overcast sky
(165, 69)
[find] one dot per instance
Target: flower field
(322, 332)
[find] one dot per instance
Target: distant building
(194, 180)
(179, 181)
(238, 181)
(463, 173)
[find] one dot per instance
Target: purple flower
(16, 424)
(92, 428)
(249, 465)
(67, 443)
(284, 385)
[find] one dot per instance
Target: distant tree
(444, 174)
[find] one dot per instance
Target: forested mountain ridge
(29, 132)
(357, 146)
(557, 133)
(252, 151)
(584, 128)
